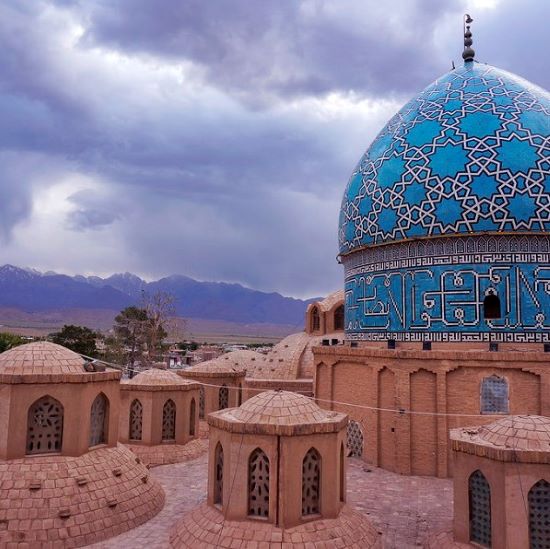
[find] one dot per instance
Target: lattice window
(258, 484)
(218, 478)
(311, 482)
(223, 397)
(539, 515)
(99, 417)
(355, 439)
(339, 318)
(315, 320)
(45, 426)
(169, 420)
(201, 402)
(494, 395)
(192, 418)
(136, 420)
(479, 494)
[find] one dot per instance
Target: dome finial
(468, 53)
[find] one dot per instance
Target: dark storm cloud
(210, 127)
(283, 47)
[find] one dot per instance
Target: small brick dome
(41, 357)
(280, 408)
(278, 412)
(157, 377)
(512, 433)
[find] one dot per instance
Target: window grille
(315, 320)
(311, 482)
(201, 402)
(99, 417)
(218, 479)
(354, 439)
(223, 398)
(494, 395)
(539, 515)
(136, 420)
(192, 418)
(45, 426)
(169, 420)
(479, 494)
(339, 318)
(258, 484)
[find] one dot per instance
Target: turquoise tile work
(470, 153)
(449, 207)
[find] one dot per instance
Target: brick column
(442, 428)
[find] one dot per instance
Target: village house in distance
(412, 411)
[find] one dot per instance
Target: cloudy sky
(214, 138)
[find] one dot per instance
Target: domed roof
(42, 358)
(233, 364)
(156, 377)
(521, 438)
(280, 410)
(468, 154)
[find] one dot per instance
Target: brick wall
(441, 381)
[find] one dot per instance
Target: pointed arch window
(201, 402)
(491, 306)
(136, 420)
(339, 318)
(494, 395)
(192, 418)
(479, 495)
(311, 483)
(258, 484)
(223, 397)
(99, 420)
(315, 320)
(45, 426)
(539, 515)
(169, 420)
(218, 475)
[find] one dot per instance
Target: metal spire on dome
(468, 53)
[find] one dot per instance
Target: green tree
(7, 341)
(131, 329)
(79, 339)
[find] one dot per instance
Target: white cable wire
(400, 411)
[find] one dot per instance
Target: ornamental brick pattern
(205, 527)
(59, 501)
(163, 454)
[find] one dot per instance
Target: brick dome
(512, 438)
(41, 357)
(279, 412)
(159, 378)
(31, 362)
(512, 433)
(233, 364)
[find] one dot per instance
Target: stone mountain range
(32, 291)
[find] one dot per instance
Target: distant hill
(32, 291)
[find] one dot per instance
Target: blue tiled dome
(470, 154)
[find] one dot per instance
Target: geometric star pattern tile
(469, 154)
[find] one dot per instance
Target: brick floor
(406, 509)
